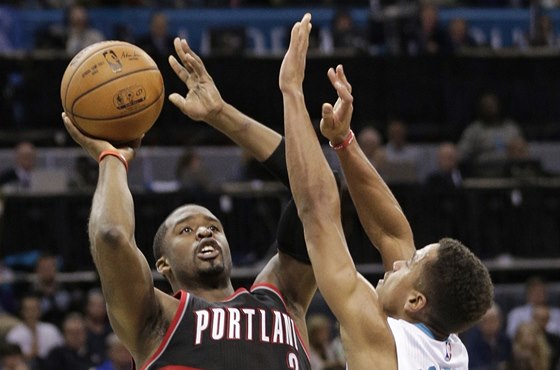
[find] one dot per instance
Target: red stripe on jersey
(183, 296)
(273, 288)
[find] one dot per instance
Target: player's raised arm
(123, 270)
(289, 270)
(379, 212)
(203, 102)
(316, 196)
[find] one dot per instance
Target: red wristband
(114, 153)
(347, 141)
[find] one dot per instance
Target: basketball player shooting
(206, 324)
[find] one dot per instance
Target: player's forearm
(112, 213)
(379, 211)
(313, 184)
(251, 135)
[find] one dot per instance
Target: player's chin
(212, 267)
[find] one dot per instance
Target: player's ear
(415, 301)
(161, 265)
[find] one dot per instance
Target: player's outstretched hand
(292, 70)
(335, 122)
(94, 147)
(203, 100)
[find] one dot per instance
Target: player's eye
(213, 228)
(187, 230)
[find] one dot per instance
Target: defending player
(409, 320)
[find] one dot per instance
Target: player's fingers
(196, 61)
(306, 24)
(293, 36)
(177, 100)
(72, 129)
(342, 77)
(343, 92)
(327, 113)
(179, 48)
(179, 70)
(195, 66)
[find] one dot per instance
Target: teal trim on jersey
(425, 329)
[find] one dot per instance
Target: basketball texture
(112, 90)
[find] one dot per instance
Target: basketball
(112, 90)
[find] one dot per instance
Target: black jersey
(251, 330)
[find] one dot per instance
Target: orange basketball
(112, 90)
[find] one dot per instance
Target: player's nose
(203, 232)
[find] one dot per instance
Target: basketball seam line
(116, 117)
(105, 83)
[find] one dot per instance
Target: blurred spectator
(397, 148)
(322, 354)
(18, 177)
(97, 325)
(79, 31)
(158, 43)
(84, 175)
(541, 316)
(5, 23)
(371, 142)
(486, 138)
(44, 4)
(11, 357)
(459, 38)
(427, 35)
(487, 344)
(400, 164)
(7, 297)
(35, 338)
(536, 294)
(543, 34)
(346, 36)
(530, 351)
(56, 300)
(119, 357)
(191, 173)
(447, 176)
(73, 353)
(517, 148)
(7, 302)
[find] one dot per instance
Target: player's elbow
(319, 201)
(108, 235)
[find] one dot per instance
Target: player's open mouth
(208, 252)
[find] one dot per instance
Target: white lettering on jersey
(277, 334)
(218, 323)
(202, 320)
(234, 328)
(233, 323)
(290, 335)
(264, 336)
(293, 361)
(250, 314)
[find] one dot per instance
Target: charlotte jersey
(418, 350)
(250, 330)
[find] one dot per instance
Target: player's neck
(213, 295)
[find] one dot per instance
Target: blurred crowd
(414, 29)
(46, 324)
(49, 4)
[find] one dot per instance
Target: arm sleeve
(276, 163)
